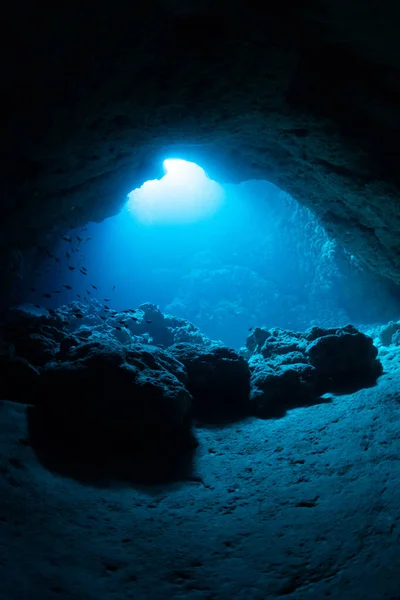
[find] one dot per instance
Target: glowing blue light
(185, 194)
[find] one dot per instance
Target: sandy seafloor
(305, 507)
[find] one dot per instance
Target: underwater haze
(227, 258)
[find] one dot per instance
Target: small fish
(113, 287)
(47, 295)
(67, 287)
(134, 319)
(56, 291)
(67, 238)
(88, 292)
(79, 239)
(37, 306)
(106, 299)
(56, 259)
(101, 317)
(83, 271)
(118, 327)
(87, 239)
(106, 307)
(79, 316)
(147, 321)
(78, 295)
(94, 286)
(32, 289)
(71, 268)
(67, 254)
(251, 328)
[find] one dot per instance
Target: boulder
(218, 378)
(35, 337)
(279, 386)
(388, 332)
(270, 342)
(289, 369)
(103, 390)
(345, 357)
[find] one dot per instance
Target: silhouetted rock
(344, 357)
(277, 385)
(34, 337)
(18, 379)
(152, 321)
(134, 396)
(165, 330)
(219, 378)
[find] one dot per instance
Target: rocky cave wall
(269, 262)
(93, 97)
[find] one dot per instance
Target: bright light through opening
(184, 195)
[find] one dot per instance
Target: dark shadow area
(223, 415)
(220, 417)
(353, 385)
(350, 77)
(91, 456)
(278, 411)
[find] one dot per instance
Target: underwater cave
(226, 258)
(200, 308)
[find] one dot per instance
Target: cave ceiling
(94, 96)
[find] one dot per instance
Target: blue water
(258, 259)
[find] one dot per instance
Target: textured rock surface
(306, 97)
(134, 395)
(292, 369)
(304, 507)
(218, 378)
(89, 357)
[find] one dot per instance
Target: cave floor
(306, 506)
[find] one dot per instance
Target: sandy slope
(306, 506)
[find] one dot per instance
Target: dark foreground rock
(342, 357)
(34, 336)
(18, 379)
(218, 378)
(139, 375)
(133, 396)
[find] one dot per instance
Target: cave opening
(227, 258)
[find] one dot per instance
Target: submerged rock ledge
(138, 377)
